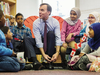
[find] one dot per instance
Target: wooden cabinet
(12, 4)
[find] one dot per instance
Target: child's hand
(81, 54)
(13, 54)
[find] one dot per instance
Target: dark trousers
(30, 46)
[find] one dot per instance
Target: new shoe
(38, 66)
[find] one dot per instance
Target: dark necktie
(45, 37)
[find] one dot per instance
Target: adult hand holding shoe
(54, 57)
(47, 58)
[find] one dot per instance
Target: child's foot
(83, 67)
(28, 67)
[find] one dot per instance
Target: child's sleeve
(63, 31)
(86, 49)
(29, 32)
(5, 51)
(78, 29)
(96, 52)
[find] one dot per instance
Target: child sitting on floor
(16, 65)
(8, 36)
(91, 50)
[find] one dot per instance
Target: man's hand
(13, 54)
(81, 54)
(47, 58)
(54, 57)
(69, 37)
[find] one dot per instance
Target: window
(61, 7)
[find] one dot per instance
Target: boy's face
(12, 21)
(91, 32)
(2, 21)
(19, 20)
(9, 35)
(91, 19)
(43, 12)
(73, 15)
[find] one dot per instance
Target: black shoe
(38, 66)
(28, 67)
(49, 66)
(83, 67)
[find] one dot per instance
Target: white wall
(31, 7)
(88, 6)
(28, 7)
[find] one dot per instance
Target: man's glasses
(91, 17)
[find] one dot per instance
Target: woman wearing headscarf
(90, 52)
(94, 17)
(70, 28)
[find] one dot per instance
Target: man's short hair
(18, 14)
(49, 8)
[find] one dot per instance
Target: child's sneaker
(83, 67)
(28, 67)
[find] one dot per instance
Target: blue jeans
(10, 64)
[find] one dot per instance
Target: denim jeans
(10, 64)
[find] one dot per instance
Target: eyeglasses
(91, 17)
(73, 14)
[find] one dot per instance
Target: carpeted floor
(50, 72)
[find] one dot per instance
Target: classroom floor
(50, 72)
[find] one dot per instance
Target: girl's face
(91, 32)
(73, 15)
(91, 19)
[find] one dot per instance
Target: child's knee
(63, 50)
(72, 44)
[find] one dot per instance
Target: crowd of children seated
(49, 41)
